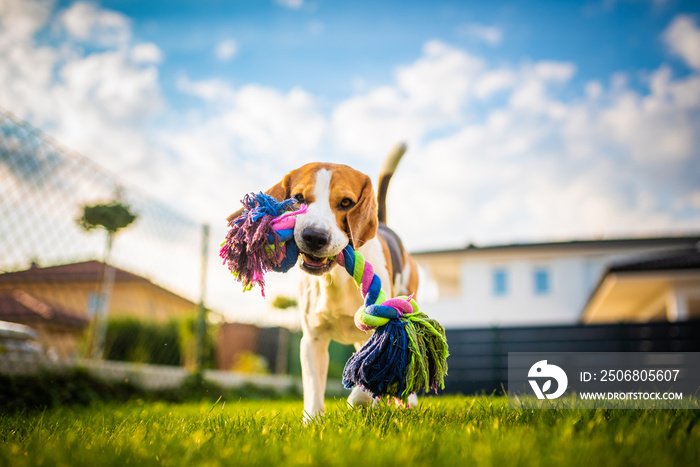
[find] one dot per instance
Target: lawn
(442, 431)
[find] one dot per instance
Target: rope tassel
(407, 351)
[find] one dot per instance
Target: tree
(112, 217)
(281, 302)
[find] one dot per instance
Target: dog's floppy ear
(362, 218)
(279, 191)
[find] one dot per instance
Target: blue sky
(526, 120)
(323, 45)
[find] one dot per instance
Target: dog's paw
(312, 418)
(410, 403)
(359, 397)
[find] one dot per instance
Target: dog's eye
(299, 197)
(347, 203)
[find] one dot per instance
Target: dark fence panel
(479, 357)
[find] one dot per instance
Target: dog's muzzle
(313, 247)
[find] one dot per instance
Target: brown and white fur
(342, 209)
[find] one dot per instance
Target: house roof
(19, 306)
(73, 272)
(689, 259)
(88, 271)
(678, 242)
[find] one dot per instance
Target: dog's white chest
(328, 304)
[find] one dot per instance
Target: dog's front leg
(314, 371)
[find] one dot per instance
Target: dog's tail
(388, 169)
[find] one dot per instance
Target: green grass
(442, 431)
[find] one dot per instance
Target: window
(500, 282)
(541, 281)
(93, 302)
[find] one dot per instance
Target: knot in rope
(377, 310)
(261, 239)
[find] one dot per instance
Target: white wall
(573, 275)
(520, 304)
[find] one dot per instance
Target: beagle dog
(342, 210)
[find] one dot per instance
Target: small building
(58, 330)
(542, 283)
(76, 287)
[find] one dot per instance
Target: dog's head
(342, 210)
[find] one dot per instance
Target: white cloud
(611, 161)
(594, 90)
(442, 78)
(212, 90)
(554, 71)
(26, 75)
(103, 98)
(146, 52)
(532, 91)
(260, 121)
(226, 50)
(270, 122)
(370, 123)
(20, 19)
(429, 93)
(658, 128)
(291, 4)
(494, 81)
(683, 38)
(96, 103)
(491, 35)
(87, 22)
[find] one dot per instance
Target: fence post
(103, 302)
(201, 322)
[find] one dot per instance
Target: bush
(169, 343)
(49, 390)
(131, 340)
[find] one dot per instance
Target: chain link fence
(60, 280)
(127, 303)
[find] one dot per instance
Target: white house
(547, 283)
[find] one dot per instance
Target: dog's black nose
(315, 239)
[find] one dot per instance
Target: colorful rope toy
(407, 351)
